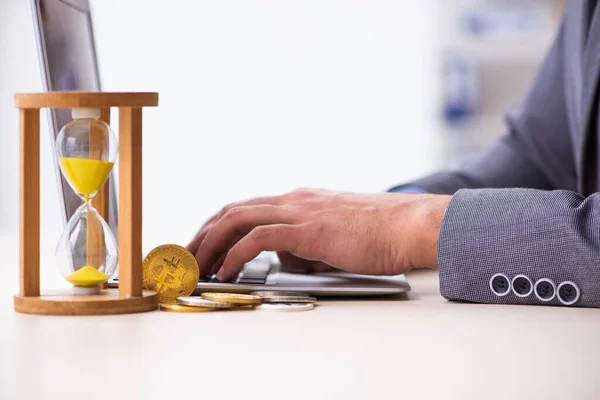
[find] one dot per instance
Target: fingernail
(220, 275)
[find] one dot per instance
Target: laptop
(68, 60)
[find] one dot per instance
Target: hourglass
(86, 150)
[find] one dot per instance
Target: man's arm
(548, 237)
(523, 246)
(535, 153)
(512, 246)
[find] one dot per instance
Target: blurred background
(261, 97)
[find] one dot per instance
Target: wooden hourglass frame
(129, 297)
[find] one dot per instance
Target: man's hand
(377, 234)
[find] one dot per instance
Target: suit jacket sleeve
(535, 153)
(523, 245)
(551, 237)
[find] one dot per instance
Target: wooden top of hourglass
(129, 297)
(85, 100)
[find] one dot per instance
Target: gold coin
(180, 308)
(195, 301)
(171, 271)
(233, 298)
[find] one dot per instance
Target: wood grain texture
(85, 100)
(65, 303)
(29, 175)
(130, 201)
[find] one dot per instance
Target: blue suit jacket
(523, 226)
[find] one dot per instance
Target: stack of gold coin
(273, 300)
(172, 272)
(219, 301)
(211, 301)
(233, 298)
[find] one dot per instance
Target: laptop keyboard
(251, 274)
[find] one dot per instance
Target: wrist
(427, 217)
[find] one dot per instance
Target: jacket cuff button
(568, 293)
(522, 286)
(500, 285)
(545, 289)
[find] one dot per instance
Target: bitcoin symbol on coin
(169, 275)
(171, 271)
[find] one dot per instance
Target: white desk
(413, 346)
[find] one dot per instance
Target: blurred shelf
(491, 51)
(501, 50)
(499, 30)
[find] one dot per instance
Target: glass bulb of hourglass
(86, 150)
(87, 250)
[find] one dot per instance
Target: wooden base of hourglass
(129, 297)
(65, 303)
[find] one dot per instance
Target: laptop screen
(70, 56)
(69, 63)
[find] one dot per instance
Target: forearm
(427, 218)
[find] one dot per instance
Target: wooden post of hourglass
(29, 192)
(130, 200)
(129, 297)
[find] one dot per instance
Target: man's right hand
(376, 234)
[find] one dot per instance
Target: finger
(265, 200)
(256, 201)
(215, 267)
(238, 221)
(262, 238)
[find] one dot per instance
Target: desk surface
(409, 346)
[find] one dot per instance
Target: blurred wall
(490, 53)
(19, 72)
(257, 97)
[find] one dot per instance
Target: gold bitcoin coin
(184, 309)
(234, 298)
(171, 271)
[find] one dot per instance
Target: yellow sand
(85, 176)
(87, 276)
